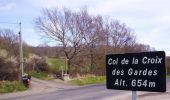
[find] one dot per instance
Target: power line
(9, 23)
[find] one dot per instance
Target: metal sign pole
(134, 95)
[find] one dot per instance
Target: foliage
(42, 66)
(8, 70)
(9, 55)
(89, 80)
(36, 63)
(3, 53)
(11, 86)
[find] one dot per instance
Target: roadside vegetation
(9, 65)
(11, 86)
(43, 67)
(89, 80)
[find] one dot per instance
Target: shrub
(8, 70)
(42, 66)
(3, 53)
(36, 63)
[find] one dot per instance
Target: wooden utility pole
(21, 51)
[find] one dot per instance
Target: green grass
(11, 86)
(40, 75)
(168, 76)
(56, 64)
(89, 80)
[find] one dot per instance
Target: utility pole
(21, 51)
(21, 69)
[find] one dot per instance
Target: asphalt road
(93, 92)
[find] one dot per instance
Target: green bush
(11, 86)
(8, 70)
(36, 63)
(42, 66)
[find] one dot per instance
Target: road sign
(136, 71)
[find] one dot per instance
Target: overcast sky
(150, 19)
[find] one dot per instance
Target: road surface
(92, 92)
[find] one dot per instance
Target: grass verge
(40, 75)
(11, 86)
(89, 80)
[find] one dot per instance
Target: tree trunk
(91, 58)
(69, 66)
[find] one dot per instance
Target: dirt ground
(40, 86)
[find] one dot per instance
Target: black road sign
(136, 71)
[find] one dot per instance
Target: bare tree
(120, 36)
(138, 47)
(88, 29)
(62, 26)
(9, 41)
(77, 32)
(91, 27)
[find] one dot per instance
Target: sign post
(136, 71)
(134, 95)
